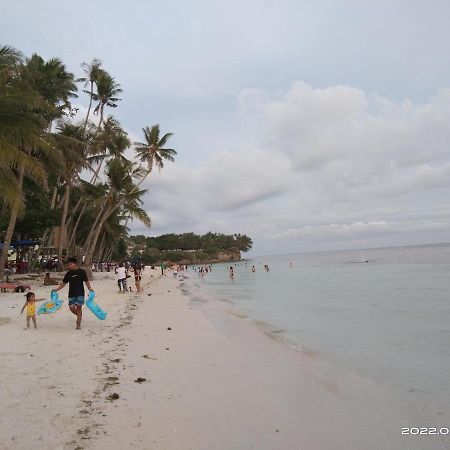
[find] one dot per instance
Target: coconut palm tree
(92, 71)
(110, 141)
(152, 151)
(53, 82)
(50, 87)
(21, 125)
(107, 91)
(122, 194)
(72, 143)
(18, 124)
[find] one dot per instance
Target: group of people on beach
(122, 273)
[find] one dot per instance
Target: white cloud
(332, 167)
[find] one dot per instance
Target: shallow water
(387, 319)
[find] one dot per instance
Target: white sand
(221, 385)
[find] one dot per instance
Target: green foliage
(45, 155)
(38, 216)
(190, 241)
(187, 247)
(174, 256)
(150, 256)
(152, 151)
(120, 251)
(212, 250)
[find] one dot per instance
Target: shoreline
(222, 384)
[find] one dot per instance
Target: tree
(152, 151)
(72, 143)
(31, 96)
(93, 72)
(106, 95)
(42, 167)
(121, 193)
(19, 125)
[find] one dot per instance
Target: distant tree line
(187, 246)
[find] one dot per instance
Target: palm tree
(107, 91)
(121, 194)
(71, 141)
(110, 141)
(18, 123)
(50, 87)
(53, 82)
(92, 71)
(21, 125)
(152, 151)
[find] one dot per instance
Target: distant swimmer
(231, 272)
(291, 264)
(266, 266)
(253, 269)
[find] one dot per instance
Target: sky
(308, 126)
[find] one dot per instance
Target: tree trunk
(37, 254)
(75, 228)
(89, 109)
(55, 191)
(93, 244)
(101, 118)
(63, 226)
(88, 241)
(95, 176)
(101, 248)
(12, 223)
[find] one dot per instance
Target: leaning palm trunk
(63, 227)
(101, 248)
(48, 233)
(90, 105)
(75, 228)
(104, 217)
(12, 223)
(100, 121)
(90, 237)
(75, 211)
(98, 229)
(96, 173)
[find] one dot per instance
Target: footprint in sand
(140, 380)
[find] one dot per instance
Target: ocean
(382, 313)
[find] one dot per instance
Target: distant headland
(188, 248)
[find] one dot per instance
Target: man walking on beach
(75, 277)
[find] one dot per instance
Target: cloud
(318, 168)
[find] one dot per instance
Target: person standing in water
(76, 278)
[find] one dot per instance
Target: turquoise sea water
(387, 319)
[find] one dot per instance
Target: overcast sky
(307, 125)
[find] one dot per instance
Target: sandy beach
(167, 372)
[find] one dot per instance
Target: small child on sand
(30, 304)
(48, 280)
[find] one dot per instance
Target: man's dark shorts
(76, 300)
